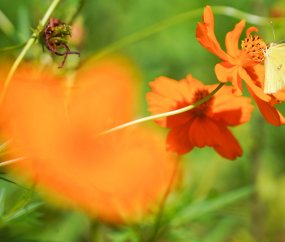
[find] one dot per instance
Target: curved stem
(222, 10)
(14, 67)
(162, 115)
(25, 50)
(49, 12)
(250, 18)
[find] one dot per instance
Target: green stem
(25, 50)
(49, 12)
(162, 115)
(14, 67)
(222, 10)
(250, 18)
(146, 32)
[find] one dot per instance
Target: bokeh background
(218, 200)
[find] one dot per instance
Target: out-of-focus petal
(102, 95)
(116, 177)
(115, 181)
(32, 110)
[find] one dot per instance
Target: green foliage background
(221, 200)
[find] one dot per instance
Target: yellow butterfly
(274, 67)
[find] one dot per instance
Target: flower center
(255, 47)
(205, 106)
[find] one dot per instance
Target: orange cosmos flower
(205, 125)
(116, 177)
(241, 64)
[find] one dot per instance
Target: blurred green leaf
(2, 200)
(7, 180)
(125, 235)
(194, 211)
(24, 23)
(22, 212)
(223, 228)
(179, 235)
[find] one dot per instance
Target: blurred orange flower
(116, 177)
(241, 64)
(205, 125)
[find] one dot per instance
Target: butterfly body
(274, 68)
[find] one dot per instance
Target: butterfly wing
(274, 69)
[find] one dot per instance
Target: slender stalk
(14, 67)
(162, 115)
(49, 12)
(221, 10)
(250, 18)
(25, 50)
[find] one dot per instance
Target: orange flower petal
(237, 85)
(115, 181)
(257, 90)
(232, 39)
(208, 17)
(194, 84)
(250, 30)
(178, 119)
(225, 71)
(116, 177)
(230, 148)
(206, 36)
(204, 131)
(257, 75)
(104, 80)
(270, 113)
(169, 95)
(280, 95)
(228, 72)
(32, 110)
(178, 140)
(200, 127)
(230, 110)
